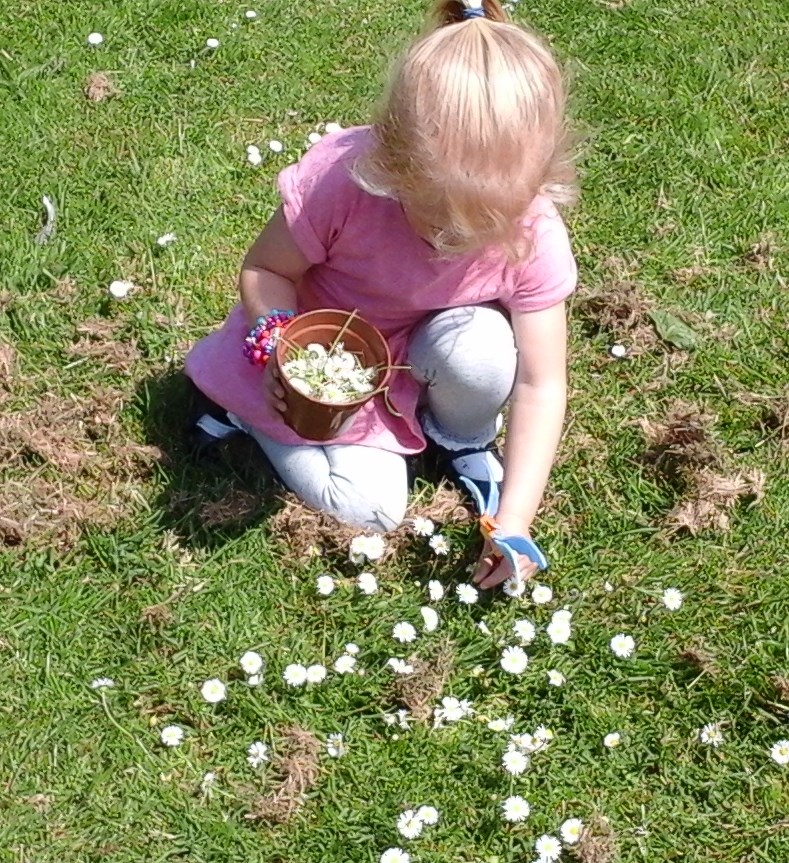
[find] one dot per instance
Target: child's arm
(535, 423)
(271, 270)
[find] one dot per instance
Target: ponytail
(456, 11)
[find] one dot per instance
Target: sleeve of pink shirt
(317, 191)
(550, 274)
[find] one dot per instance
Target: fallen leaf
(674, 331)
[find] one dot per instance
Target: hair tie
(475, 12)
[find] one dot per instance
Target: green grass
(683, 109)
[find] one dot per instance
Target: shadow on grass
(211, 499)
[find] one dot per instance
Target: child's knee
(379, 513)
(462, 346)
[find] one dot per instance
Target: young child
(437, 223)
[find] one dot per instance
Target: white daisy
(351, 648)
(555, 678)
(559, 631)
(171, 735)
(454, 709)
(428, 814)
(295, 674)
(335, 745)
(102, 683)
(345, 664)
(543, 734)
(212, 43)
(435, 590)
(325, 585)
(483, 627)
(549, 848)
(276, 146)
(331, 128)
(367, 583)
(120, 288)
(779, 752)
(257, 754)
(316, 673)
(672, 598)
(501, 724)
(313, 137)
(95, 39)
(403, 719)
(253, 156)
(423, 526)
(409, 824)
(213, 691)
(254, 679)
(612, 740)
(430, 618)
(525, 631)
(623, 646)
(250, 14)
(514, 586)
(251, 662)
(467, 594)
(711, 734)
(207, 783)
(514, 660)
(439, 543)
(563, 615)
(571, 831)
(515, 809)
(404, 632)
(608, 587)
(514, 761)
(367, 548)
(395, 855)
(166, 239)
(618, 352)
(400, 666)
(541, 594)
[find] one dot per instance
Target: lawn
(121, 558)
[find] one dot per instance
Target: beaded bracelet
(263, 337)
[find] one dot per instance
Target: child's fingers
(486, 566)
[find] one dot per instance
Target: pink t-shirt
(365, 256)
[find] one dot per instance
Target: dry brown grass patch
(100, 341)
(441, 504)
(7, 365)
(298, 767)
(781, 685)
(699, 658)
(67, 465)
(597, 843)
(683, 437)
(686, 275)
(714, 496)
(98, 87)
(621, 310)
(234, 506)
(419, 691)
(684, 452)
(309, 532)
(761, 255)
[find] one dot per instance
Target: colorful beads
(263, 337)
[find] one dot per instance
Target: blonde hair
(472, 128)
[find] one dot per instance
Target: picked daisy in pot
(329, 375)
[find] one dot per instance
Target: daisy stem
(123, 730)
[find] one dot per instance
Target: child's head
(472, 128)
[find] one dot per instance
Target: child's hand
(272, 389)
(493, 570)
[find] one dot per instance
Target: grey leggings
(467, 359)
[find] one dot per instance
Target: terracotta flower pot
(317, 420)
